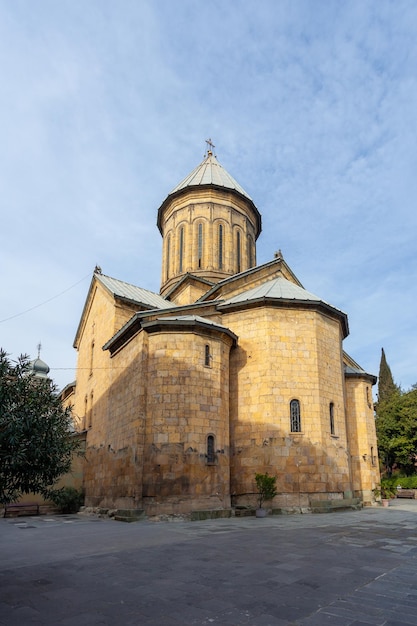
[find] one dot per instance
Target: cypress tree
(386, 386)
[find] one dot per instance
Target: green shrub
(406, 482)
(68, 499)
(267, 489)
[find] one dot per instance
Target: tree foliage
(386, 386)
(396, 423)
(267, 489)
(396, 426)
(36, 446)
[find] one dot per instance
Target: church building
(232, 369)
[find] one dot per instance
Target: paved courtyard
(341, 569)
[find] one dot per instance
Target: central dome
(209, 225)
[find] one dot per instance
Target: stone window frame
(238, 251)
(211, 449)
(200, 244)
(168, 256)
(181, 248)
(331, 419)
(295, 416)
(207, 355)
(90, 412)
(92, 345)
(220, 235)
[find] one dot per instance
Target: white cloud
(104, 107)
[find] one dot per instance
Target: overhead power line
(6, 319)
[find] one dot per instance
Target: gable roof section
(121, 290)
(133, 294)
(281, 292)
(353, 370)
(277, 288)
(188, 278)
(254, 275)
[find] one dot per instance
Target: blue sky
(105, 106)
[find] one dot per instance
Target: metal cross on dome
(210, 146)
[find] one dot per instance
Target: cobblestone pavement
(342, 569)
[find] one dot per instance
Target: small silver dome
(39, 368)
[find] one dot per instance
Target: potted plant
(267, 490)
(386, 495)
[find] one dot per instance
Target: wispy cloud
(104, 107)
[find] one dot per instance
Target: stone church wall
(286, 354)
(362, 436)
(187, 402)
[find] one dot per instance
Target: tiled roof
(210, 172)
(191, 318)
(278, 288)
(135, 294)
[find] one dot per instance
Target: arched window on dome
(168, 257)
(238, 253)
(200, 245)
(251, 262)
(220, 247)
(181, 250)
(295, 416)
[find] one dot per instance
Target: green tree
(386, 385)
(267, 489)
(396, 427)
(36, 446)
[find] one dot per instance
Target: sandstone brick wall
(104, 466)
(285, 354)
(362, 436)
(186, 402)
(210, 208)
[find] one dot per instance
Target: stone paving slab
(343, 569)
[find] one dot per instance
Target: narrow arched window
(372, 456)
(250, 252)
(85, 412)
(220, 242)
(331, 417)
(181, 249)
(295, 416)
(211, 455)
(168, 261)
(238, 252)
(90, 412)
(207, 356)
(200, 246)
(91, 358)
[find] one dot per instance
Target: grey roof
(210, 172)
(39, 368)
(192, 318)
(278, 288)
(135, 294)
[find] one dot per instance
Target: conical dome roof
(210, 172)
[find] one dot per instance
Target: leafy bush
(68, 499)
(406, 482)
